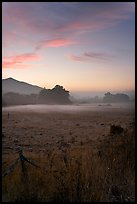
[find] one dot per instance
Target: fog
(81, 94)
(69, 108)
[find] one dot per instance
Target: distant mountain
(13, 85)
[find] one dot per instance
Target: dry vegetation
(77, 172)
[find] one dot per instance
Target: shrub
(116, 129)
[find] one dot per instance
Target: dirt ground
(39, 128)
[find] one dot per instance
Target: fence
(21, 159)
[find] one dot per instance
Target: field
(86, 153)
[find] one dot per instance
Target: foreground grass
(77, 174)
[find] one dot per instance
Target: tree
(12, 98)
(119, 97)
(3, 102)
(57, 95)
(108, 97)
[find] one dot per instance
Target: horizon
(83, 46)
(85, 94)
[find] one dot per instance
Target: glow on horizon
(86, 46)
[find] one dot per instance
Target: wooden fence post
(24, 176)
(24, 168)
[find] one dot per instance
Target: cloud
(97, 55)
(59, 42)
(60, 23)
(90, 56)
(17, 61)
(63, 20)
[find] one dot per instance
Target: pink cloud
(76, 19)
(90, 56)
(24, 15)
(76, 58)
(59, 42)
(83, 26)
(18, 60)
(97, 55)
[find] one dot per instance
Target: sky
(83, 46)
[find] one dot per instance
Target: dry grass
(117, 152)
(77, 174)
(84, 156)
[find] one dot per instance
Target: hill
(13, 85)
(21, 93)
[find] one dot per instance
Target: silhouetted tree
(12, 98)
(122, 97)
(57, 95)
(3, 102)
(119, 97)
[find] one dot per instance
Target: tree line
(57, 95)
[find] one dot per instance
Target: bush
(116, 129)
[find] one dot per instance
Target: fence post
(24, 176)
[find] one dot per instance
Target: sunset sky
(83, 46)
